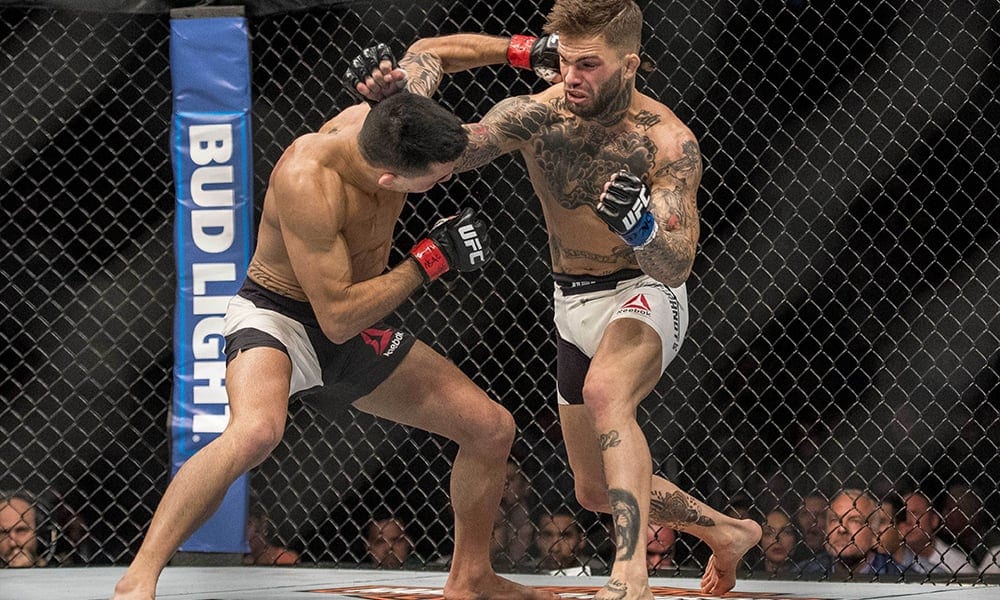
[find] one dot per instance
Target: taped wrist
(643, 233)
(519, 51)
(430, 259)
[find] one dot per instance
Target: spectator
(925, 552)
(389, 545)
(811, 521)
(513, 531)
(890, 540)
(21, 518)
(660, 543)
(560, 542)
(74, 544)
(777, 544)
(265, 549)
(964, 520)
(852, 521)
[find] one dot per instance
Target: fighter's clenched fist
(374, 74)
(624, 206)
(459, 242)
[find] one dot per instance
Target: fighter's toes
(715, 580)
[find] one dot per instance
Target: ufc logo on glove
(471, 240)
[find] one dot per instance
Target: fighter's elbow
(427, 52)
(676, 279)
(336, 328)
(337, 334)
(672, 272)
(423, 46)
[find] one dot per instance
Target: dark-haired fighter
(617, 174)
(307, 323)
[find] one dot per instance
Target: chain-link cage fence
(844, 302)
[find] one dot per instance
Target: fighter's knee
(496, 431)
(504, 427)
(257, 439)
(602, 399)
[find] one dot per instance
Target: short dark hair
(897, 513)
(407, 133)
(618, 21)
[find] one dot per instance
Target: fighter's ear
(387, 180)
(632, 62)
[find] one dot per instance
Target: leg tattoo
(676, 510)
(616, 589)
(625, 511)
(610, 440)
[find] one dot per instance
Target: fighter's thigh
(428, 391)
(257, 383)
(628, 360)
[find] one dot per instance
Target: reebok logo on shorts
(383, 341)
(636, 304)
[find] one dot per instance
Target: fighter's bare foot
(720, 572)
(124, 590)
(493, 587)
(619, 589)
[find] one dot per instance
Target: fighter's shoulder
(302, 158)
(661, 126)
(305, 173)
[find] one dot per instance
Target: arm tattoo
(610, 440)
(670, 257)
(504, 128)
(480, 151)
(686, 166)
(423, 73)
(625, 512)
(676, 510)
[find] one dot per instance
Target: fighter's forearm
(668, 258)
(464, 51)
(365, 303)
(428, 59)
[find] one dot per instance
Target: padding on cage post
(211, 155)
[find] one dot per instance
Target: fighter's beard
(610, 104)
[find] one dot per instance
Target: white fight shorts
(585, 305)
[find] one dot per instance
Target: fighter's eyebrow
(563, 57)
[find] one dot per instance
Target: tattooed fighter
(617, 174)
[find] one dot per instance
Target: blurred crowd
(853, 533)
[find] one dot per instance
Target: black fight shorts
(321, 369)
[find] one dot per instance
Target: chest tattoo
(578, 158)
